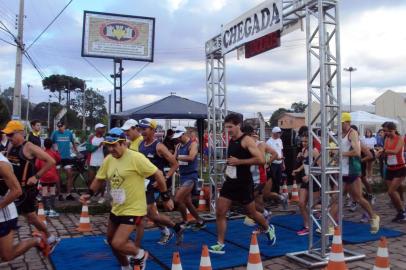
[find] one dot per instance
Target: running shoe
(249, 222)
(330, 230)
(142, 262)
(198, 226)
(353, 206)
(375, 224)
(43, 244)
(52, 213)
(179, 229)
(217, 249)
(46, 213)
(303, 231)
(373, 199)
(401, 216)
(270, 234)
(284, 200)
(53, 244)
(70, 198)
(165, 238)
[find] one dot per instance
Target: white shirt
(277, 145)
(10, 211)
(97, 157)
(369, 142)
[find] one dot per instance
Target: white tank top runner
(9, 212)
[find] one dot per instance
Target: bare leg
(111, 231)
(140, 233)
(158, 219)
(303, 199)
(69, 178)
(8, 251)
(223, 205)
(356, 194)
(33, 219)
(180, 199)
(393, 193)
(255, 215)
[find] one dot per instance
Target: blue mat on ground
(90, 253)
(190, 250)
(353, 232)
(240, 234)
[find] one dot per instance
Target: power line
(49, 25)
(8, 42)
(141, 69)
(101, 73)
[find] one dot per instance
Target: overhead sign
(263, 44)
(108, 35)
(258, 22)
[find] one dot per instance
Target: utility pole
(19, 64)
(350, 70)
(28, 101)
(49, 113)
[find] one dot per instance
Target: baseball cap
(114, 135)
(179, 131)
(13, 126)
(276, 130)
(99, 125)
(148, 123)
(129, 124)
(345, 117)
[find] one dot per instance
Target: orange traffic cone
(137, 267)
(176, 262)
(202, 202)
(295, 193)
(336, 260)
(382, 256)
(205, 263)
(84, 224)
(254, 257)
(189, 216)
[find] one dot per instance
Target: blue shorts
(189, 182)
(7, 226)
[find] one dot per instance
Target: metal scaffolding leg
(118, 85)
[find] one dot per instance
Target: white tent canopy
(365, 118)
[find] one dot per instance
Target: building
(393, 105)
(291, 120)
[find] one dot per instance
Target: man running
(131, 130)
(126, 171)
(186, 154)
(10, 190)
(238, 186)
(22, 155)
(351, 169)
(158, 154)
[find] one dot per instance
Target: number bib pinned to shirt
(231, 172)
(118, 195)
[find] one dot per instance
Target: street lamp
(350, 70)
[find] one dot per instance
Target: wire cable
(98, 71)
(138, 72)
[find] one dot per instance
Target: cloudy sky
(372, 38)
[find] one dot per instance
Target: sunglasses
(10, 135)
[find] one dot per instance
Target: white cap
(179, 131)
(129, 124)
(99, 125)
(276, 130)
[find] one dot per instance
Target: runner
(126, 170)
(303, 173)
(157, 153)
(22, 155)
(396, 168)
(238, 186)
(10, 190)
(351, 169)
(259, 174)
(186, 154)
(95, 147)
(131, 130)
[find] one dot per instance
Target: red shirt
(51, 176)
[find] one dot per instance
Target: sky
(372, 40)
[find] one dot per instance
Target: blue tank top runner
(187, 169)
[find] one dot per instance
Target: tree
(4, 114)
(298, 107)
(63, 83)
(275, 116)
(95, 106)
(7, 100)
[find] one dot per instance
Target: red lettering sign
(263, 44)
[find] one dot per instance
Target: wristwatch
(37, 176)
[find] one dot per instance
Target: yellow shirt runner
(134, 145)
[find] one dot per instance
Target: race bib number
(231, 172)
(392, 160)
(118, 195)
(182, 163)
(306, 169)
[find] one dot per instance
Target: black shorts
(363, 169)
(7, 226)
(305, 185)
(238, 192)
(391, 174)
(349, 179)
(66, 162)
(128, 220)
(151, 195)
(27, 202)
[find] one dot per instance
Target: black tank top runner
(150, 152)
(236, 150)
(21, 163)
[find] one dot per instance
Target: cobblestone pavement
(65, 226)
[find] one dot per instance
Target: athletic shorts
(349, 179)
(27, 202)
(258, 188)
(66, 163)
(152, 195)
(128, 220)
(399, 173)
(305, 185)
(187, 182)
(238, 192)
(7, 226)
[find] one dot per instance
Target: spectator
(369, 141)
(49, 180)
(277, 165)
(380, 139)
(34, 135)
(62, 140)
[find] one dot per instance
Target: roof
(296, 115)
(402, 94)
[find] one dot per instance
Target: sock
(51, 239)
(220, 244)
(165, 230)
(265, 213)
(141, 254)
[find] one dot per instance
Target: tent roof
(365, 118)
(170, 107)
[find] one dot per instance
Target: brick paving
(65, 225)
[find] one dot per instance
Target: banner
(257, 22)
(118, 36)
